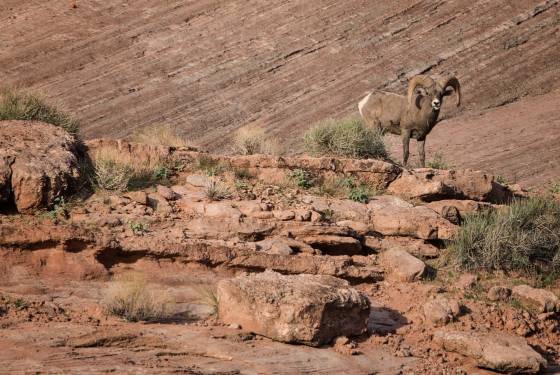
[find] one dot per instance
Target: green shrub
(16, 105)
(438, 162)
(524, 238)
(345, 138)
(208, 165)
(555, 188)
(216, 191)
(301, 178)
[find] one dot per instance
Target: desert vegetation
(131, 297)
(20, 105)
(347, 137)
(116, 171)
(438, 162)
(523, 238)
(251, 140)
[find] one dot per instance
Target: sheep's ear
(418, 100)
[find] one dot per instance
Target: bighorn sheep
(413, 116)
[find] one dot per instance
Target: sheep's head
(422, 87)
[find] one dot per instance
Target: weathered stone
(159, 203)
(166, 192)
(334, 245)
(429, 184)
(498, 293)
(38, 164)
(401, 266)
(198, 180)
(466, 281)
(416, 247)
(497, 351)
(137, 196)
(284, 215)
(441, 310)
(540, 299)
(306, 309)
(392, 216)
(464, 207)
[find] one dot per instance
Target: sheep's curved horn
(419, 80)
(454, 83)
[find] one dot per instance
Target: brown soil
(210, 67)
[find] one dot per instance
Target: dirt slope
(209, 67)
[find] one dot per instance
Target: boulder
(304, 309)
(391, 216)
(401, 266)
(166, 192)
(430, 185)
(498, 351)
(38, 164)
(441, 310)
(498, 293)
(540, 299)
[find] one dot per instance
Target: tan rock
(497, 351)
(416, 247)
(284, 215)
(401, 266)
(305, 309)
(38, 164)
(166, 192)
(137, 196)
(429, 184)
(441, 310)
(159, 204)
(498, 293)
(540, 299)
(198, 180)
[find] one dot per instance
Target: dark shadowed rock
(305, 309)
(37, 163)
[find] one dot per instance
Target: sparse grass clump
(216, 191)
(524, 238)
(114, 170)
(208, 296)
(131, 297)
(360, 194)
(555, 188)
(438, 162)
(17, 105)
(348, 137)
(160, 135)
(301, 178)
(208, 165)
(252, 140)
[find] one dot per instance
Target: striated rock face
(305, 309)
(497, 351)
(37, 164)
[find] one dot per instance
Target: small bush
(16, 105)
(59, 210)
(211, 167)
(525, 238)
(161, 135)
(251, 140)
(132, 298)
(555, 188)
(217, 191)
(301, 178)
(243, 174)
(438, 162)
(114, 170)
(139, 229)
(360, 194)
(208, 296)
(345, 138)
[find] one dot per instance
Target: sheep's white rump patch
(363, 103)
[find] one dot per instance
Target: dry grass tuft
(131, 297)
(215, 191)
(115, 170)
(348, 138)
(19, 105)
(160, 135)
(252, 140)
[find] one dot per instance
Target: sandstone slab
(305, 309)
(497, 351)
(540, 299)
(402, 266)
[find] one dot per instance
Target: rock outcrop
(38, 164)
(497, 351)
(305, 309)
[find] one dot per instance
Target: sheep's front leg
(405, 144)
(422, 152)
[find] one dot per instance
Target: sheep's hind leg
(405, 143)
(422, 152)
